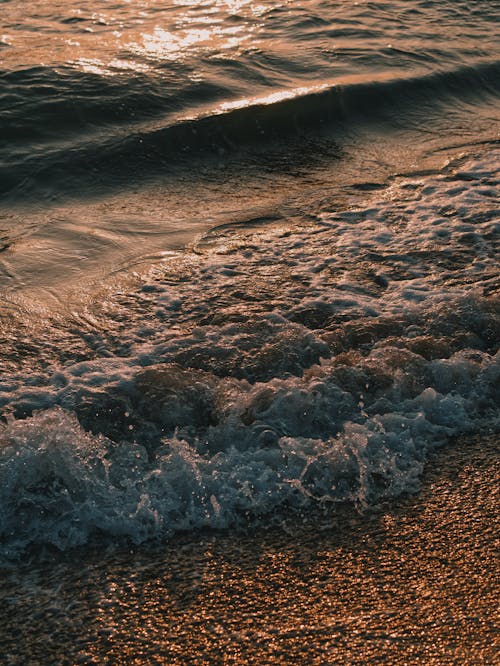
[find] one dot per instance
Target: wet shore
(413, 583)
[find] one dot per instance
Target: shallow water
(129, 129)
(250, 258)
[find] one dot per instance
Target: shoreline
(411, 583)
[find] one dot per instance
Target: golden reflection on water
(200, 26)
(132, 35)
(96, 66)
(165, 44)
(272, 98)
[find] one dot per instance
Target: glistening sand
(413, 583)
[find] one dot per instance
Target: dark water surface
(129, 127)
(249, 257)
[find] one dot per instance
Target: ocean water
(249, 259)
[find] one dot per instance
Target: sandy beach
(413, 583)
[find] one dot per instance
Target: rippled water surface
(129, 127)
(249, 257)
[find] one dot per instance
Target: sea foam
(268, 371)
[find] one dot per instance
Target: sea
(249, 260)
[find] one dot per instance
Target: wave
(144, 149)
(355, 430)
(43, 104)
(271, 373)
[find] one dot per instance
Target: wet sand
(414, 583)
